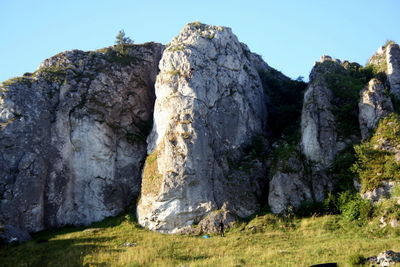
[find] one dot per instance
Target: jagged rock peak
(72, 136)
(387, 61)
(374, 105)
(210, 109)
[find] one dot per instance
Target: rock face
(393, 68)
(319, 137)
(210, 107)
(72, 136)
(300, 176)
(289, 186)
(374, 104)
(386, 61)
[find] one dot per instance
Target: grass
(151, 181)
(264, 241)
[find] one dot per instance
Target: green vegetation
(379, 64)
(196, 24)
(176, 48)
(121, 39)
(54, 73)
(174, 72)
(375, 163)
(356, 260)
(286, 100)
(265, 240)
(346, 86)
(281, 155)
(12, 81)
(151, 178)
(341, 171)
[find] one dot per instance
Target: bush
(356, 260)
(353, 207)
(121, 39)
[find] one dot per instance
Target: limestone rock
(319, 138)
(210, 105)
(305, 178)
(386, 62)
(374, 104)
(289, 187)
(393, 68)
(72, 137)
(383, 191)
(386, 258)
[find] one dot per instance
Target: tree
(121, 39)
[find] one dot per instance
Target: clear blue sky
(289, 34)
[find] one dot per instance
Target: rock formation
(393, 68)
(374, 105)
(75, 134)
(301, 173)
(72, 136)
(210, 107)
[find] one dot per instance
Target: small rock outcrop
(384, 191)
(209, 113)
(385, 258)
(72, 136)
(374, 105)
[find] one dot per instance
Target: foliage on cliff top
(377, 63)
(376, 159)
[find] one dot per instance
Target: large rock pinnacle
(210, 107)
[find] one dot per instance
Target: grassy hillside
(265, 240)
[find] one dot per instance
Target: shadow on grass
(45, 249)
(52, 252)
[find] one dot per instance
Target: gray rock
(10, 234)
(210, 104)
(305, 178)
(385, 258)
(72, 138)
(374, 104)
(393, 68)
(318, 130)
(289, 187)
(382, 192)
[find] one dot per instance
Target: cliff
(199, 131)
(72, 136)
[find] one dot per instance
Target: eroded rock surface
(393, 68)
(301, 175)
(374, 104)
(210, 107)
(72, 136)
